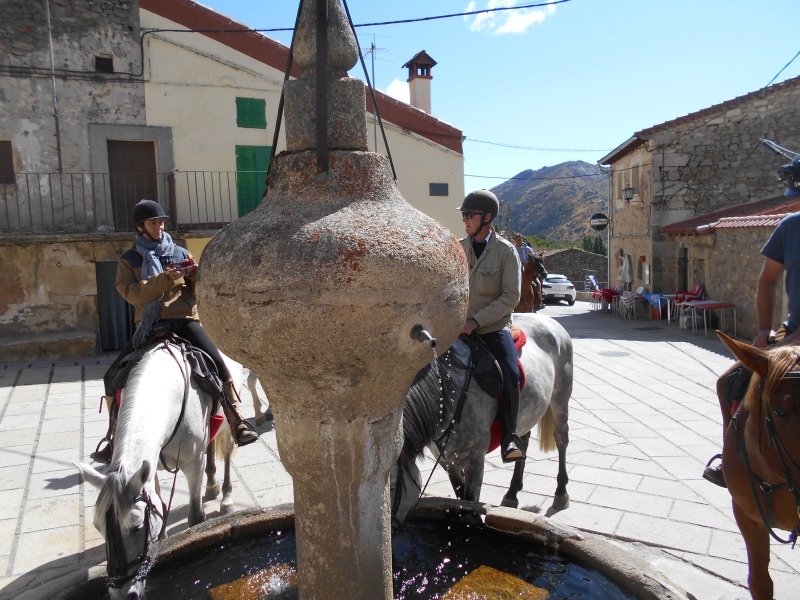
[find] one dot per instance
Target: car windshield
(557, 280)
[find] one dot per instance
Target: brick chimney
(419, 80)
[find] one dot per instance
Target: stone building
(183, 117)
(576, 264)
(722, 251)
(694, 165)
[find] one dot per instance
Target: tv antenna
(372, 50)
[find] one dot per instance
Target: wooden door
(132, 178)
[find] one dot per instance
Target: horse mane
(420, 415)
(781, 360)
(115, 483)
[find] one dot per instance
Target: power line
(518, 147)
(535, 178)
(782, 70)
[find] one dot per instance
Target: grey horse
(547, 360)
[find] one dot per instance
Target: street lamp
(627, 193)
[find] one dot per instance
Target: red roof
(271, 52)
(716, 110)
(766, 212)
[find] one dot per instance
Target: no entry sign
(599, 221)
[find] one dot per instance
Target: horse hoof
(212, 491)
(196, 520)
(226, 509)
(510, 502)
(561, 502)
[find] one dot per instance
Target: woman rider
(164, 297)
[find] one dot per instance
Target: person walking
(494, 291)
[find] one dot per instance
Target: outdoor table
(708, 305)
(658, 301)
(670, 298)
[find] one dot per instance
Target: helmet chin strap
(144, 232)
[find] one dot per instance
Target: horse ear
(751, 357)
(90, 475)
(139, 479)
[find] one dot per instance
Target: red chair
(698, 292)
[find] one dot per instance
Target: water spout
(419, 334)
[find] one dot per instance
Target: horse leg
(227, 448)
(212, 485)
(756, 539)
(261, 416)
(467, 480)
(561, 433)
(510, 499)
(194, 478)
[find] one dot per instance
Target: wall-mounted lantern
(627, 193)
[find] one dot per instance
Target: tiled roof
(766, 212)
(193, 15)
(640, 137)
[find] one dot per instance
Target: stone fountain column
(317, 291)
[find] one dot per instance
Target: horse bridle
(118, 574)
(787, 464)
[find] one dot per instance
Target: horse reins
(756, 483)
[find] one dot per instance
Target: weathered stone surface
(342, 48)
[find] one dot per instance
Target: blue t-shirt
(784, 247)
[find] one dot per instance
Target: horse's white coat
(149, 409)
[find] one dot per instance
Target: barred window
(6, 164)
(439, 189)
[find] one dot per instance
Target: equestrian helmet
(481, 201)
(790, 175)
(146, 210)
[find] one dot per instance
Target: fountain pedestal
(317, 291)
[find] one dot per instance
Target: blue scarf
(151, 266)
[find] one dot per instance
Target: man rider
(494, 291)
(165, 300)
(526, 253)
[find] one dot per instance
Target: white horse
(161, 424)
(547, 361)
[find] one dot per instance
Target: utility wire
(536, 178)
(782, 70)
(518, 147)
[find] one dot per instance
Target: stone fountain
(319, 291)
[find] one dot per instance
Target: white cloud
(398, 90)
(508, 21)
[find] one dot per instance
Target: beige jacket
(494, 283)
(179, 301)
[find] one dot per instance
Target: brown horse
(761, 456)
(527, 299)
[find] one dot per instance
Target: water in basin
(431, 561)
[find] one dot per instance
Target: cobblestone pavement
(643, 421)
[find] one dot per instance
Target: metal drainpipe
(53, 79)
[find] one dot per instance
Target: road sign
(599, 221)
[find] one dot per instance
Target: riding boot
(511, 447)
(242, 433)
(104, 456)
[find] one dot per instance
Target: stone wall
(82, 29)
(716, 160)
(576, 264)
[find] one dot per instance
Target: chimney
(419, 80)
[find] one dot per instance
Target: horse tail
(223, 443)
(547, 428)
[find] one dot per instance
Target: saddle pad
(215, 424)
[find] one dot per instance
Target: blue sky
(582, 75)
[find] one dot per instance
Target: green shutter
(251, 113)
(252, 163)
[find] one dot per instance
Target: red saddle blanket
(215, 421)
(519, 338)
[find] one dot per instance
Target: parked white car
(558, 287)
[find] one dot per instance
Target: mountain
(556, 202)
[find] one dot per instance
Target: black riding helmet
(145, 211)
(481, 201)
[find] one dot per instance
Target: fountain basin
(538, 534)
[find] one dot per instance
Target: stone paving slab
(643, 421)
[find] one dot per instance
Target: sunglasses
(469, 214)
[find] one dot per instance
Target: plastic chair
(698, 292)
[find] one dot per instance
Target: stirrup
(250, 429)
(515, 453)
(103, 456)
(714, 474)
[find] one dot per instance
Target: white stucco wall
(192, 85)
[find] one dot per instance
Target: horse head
(774, 392)
(129, 521)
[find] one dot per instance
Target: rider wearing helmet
(150, 278)
(494, 291)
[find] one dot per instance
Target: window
(439, 189)
(6, 164)
(103, 64)
(251, 113)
